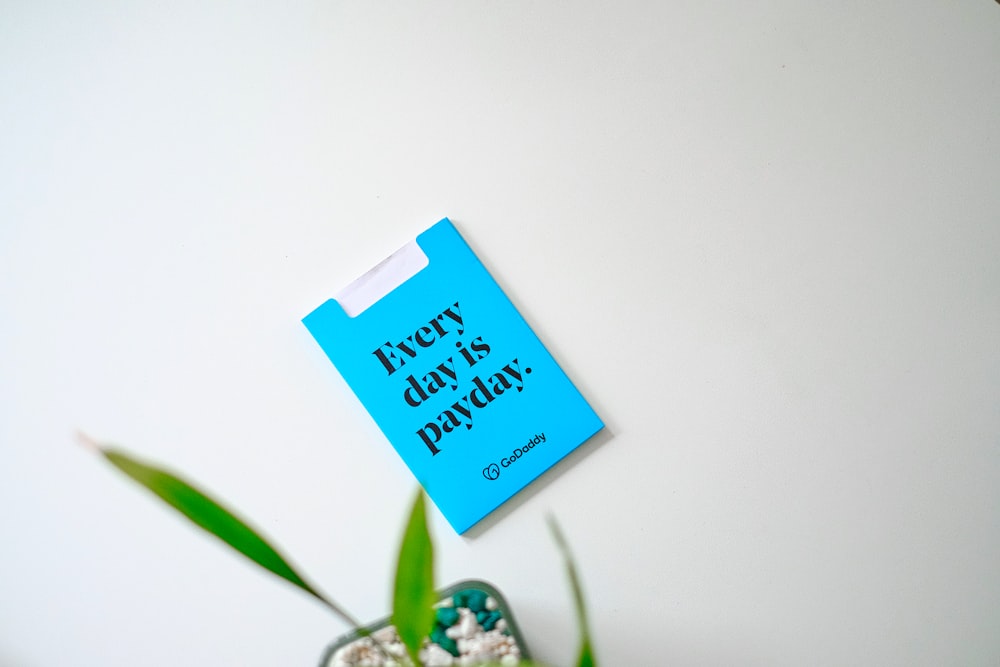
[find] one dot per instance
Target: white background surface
(762, 238)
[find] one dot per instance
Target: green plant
(413, 591)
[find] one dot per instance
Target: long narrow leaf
(215, 519)
(413, 594)
(586, 658)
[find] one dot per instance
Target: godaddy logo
(492, 471)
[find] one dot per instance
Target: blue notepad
(456, 380)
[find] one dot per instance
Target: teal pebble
(482, 616)
(461, 598)
(439, 637)
(491, 620)
(447, 616)
(476, 601)
(448, 644)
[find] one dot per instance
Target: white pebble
(435, 656)
(386, 634)
(466, 626)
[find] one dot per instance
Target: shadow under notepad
(543, 480)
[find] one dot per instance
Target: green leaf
(215, 519)
(586, 655)
(586, 658)
(413, 595)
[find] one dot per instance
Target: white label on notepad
(386, 276)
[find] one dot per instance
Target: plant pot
(474, 625)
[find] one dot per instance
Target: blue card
(455, 379)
